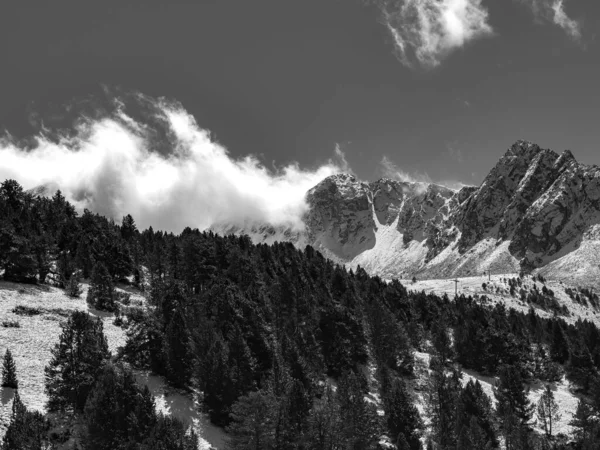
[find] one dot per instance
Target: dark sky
(288, 79)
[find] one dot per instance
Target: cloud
(426, 31)
(390, 170)
(112, 165)
(554, 11)
(455, 152)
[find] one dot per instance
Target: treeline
(285, 346)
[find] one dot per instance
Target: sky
(429, 90)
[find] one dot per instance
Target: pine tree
(26, 430)
(325, 423)
(547, 410)
(443, 395)
(359, 419)
(441, 340)
(513, 408)
(101, 293)
(253, 422)
(177, 341)
(511, 394)
(9, 371)
(118, 410)
(73, 287)
(584, 421)
(76, 361)
(402, 416)
(475, 405)
(559, 346)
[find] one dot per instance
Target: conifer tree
(474, 405)
(26, 430)
(402, 416)
(177, 341)
(9, 371)
(584, 421)
(73, 287)
(76, 360)
(511, 394)
(359, 418)
(253, 422)
(443, 394)
(547, 410)
(325, 422)
(101, 293)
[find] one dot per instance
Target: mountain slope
(534, 209)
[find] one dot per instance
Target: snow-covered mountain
(535, 209)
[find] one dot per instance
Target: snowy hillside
(498, 291)
(38, 331)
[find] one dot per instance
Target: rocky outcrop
(533, 208)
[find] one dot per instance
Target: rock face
(533, 208)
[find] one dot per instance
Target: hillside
(31, 344)
(277, 340)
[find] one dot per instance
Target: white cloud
(426, 31)
(554, 11)
(110, 166)
(390, 170)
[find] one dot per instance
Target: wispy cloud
(427, 31)
(391, 170)
(111, 165)
(554, 11)
(455, 152)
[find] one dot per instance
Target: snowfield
(32, 342)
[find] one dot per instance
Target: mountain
(536, 209)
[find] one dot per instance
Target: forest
(279, 341)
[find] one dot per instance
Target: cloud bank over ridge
(111, 165)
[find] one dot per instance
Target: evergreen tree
(177, 350)
(76, 360)
(513, 408)
(325, 423)
(441, 340)
(401, 415)
(547, 411)
(118, 411)
(402, 443)
(26, 430)
(443, 395)
(101, 293)
(584, 421)
(511, 395)
(359, 418)
(559, 348)
(73, 287)
(474, 407)
(253, 422)
(9, 371)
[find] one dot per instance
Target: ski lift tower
(456, 281)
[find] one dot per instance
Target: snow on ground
(498, 291)
(563, 395)
(33, 341)
(390, 256)
(581, 265)
(171, 402)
